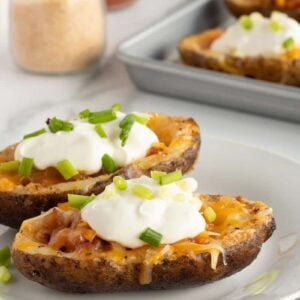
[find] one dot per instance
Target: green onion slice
(5, 256)
(66, 169)
(120, 183)
(80, 201)
(126, 125)
(56, 125)
(109, 164)
(26, 166)
(35, 133)
(246, 22)
(5, 275)
(84, 114)
(102, 116)
(116, 107)
(142, 191)
(157, 174)
(276, 26)
(99, 129)
(288, 43)
(151, 237)
(170, 177)
(141, 119)
(9, 166)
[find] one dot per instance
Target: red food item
(118, 3)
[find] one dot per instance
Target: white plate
(224, 168)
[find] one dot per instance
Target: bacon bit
(56, 218)
(157, 148)
(66, 239)
(43, 236)
(6, 185)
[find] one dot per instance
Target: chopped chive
(126, 125)
(288, 43)
(120, 183)
(5, 256)
(56, 125)
(102, 116)
(80, 201)
(84, 114)
(116, 107)
(170, 177)
(157, 174)
(246, 22)
(5, 275)
(9, 166)
(66, 169)
(151, 237)
(25, 166)
(140, 119)
(142, 191)
(35, 133)
(276, 26)
(109, 164)
(99, 129)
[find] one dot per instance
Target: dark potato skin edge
(17, 207)
(88, 276)
(238, 10)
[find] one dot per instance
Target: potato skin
(195, 51)
(265, 7)
(82, 275)
(21, 203)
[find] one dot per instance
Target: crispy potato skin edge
(17, 207)
(264, 8)
(91, 276)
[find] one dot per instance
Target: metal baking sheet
(147, 59)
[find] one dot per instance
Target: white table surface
(27, 99)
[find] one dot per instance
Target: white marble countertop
(27, 99)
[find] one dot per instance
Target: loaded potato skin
(89, 271)
(179, 145)
(195, 51)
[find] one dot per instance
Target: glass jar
(115, 4)
(56, 36)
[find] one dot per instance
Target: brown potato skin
(265, 7)
(195, 51)
(20, 203)
(88, 275)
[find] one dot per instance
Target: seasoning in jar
(57, 36)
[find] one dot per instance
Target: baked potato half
(245, 7)
(196, 51)
(59, 251)
(25, 197)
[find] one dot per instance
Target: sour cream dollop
(266, 36)
(120, 216)
(84, 148)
